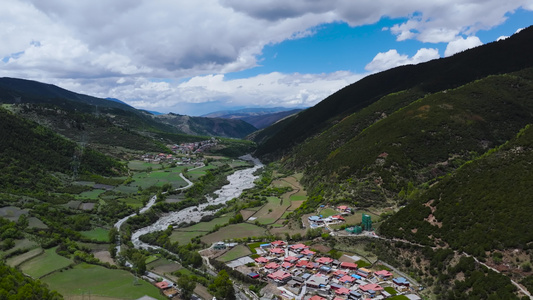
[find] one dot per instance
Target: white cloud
(462, 44)
(93, 46)
(390, 59)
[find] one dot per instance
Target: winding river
(238, 182)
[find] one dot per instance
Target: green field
(328, 212)
(12, 213)
(17, 260)
(45, 263)
(139, 165)
(197, 173)
(184, 235)
(158, 178)
(93, 194)
(242, 230)
(96, 280)
(98, 234)
(298, 198)
(272, 211)
(20, 244)
(237, 252)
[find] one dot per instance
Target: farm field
(33, 222)
(17, 260)
(234, 253)
(184, 235)
(12, 213)
(163, 266)
(235, 231)
(93, 194)
(98, 234)
(45, 263)
(99, 281)
(272, 211)
(20, 244)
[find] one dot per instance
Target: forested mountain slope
(499, 57)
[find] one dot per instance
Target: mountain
(500, 57)
(441, 151)
(258, 117)
(208, 126)
(106, 124)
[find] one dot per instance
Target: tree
(187, 286)
(222, 287)
(139, 263)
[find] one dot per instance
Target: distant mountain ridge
(104, 118)
(258, 117)
(208, 126)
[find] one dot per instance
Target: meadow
(45, 263)
(98, 281)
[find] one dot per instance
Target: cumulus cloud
(462, 44)
(390, 59)
(103, 47)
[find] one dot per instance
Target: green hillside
(423, 140)
(31, 154)
(485, 205)
(506, 56)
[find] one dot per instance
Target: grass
(328, 212)
(17, 260)
(252, 246)
(272, 211)
(100, 281)
(20, 244)
(93, 194)
(12, 213)
(45, 263)
(298, 198)
(98, 234)
(33, 222)
(236, 231)
(234, 253)
(184, 235)
(390, 290)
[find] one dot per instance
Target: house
(371, 287)
(261, 260)
(383, 274)
(280, 277)
(271, 266)
(278, 244)
(291, 259)
(219, 246)
(348, 265)
(277, 251)
(355, 295)
(286, 265)
(342, 208)
(324, 269)
(339, 273)
(364, 272)
(298, 247)
(324, 260)
(253, 275)
(308, 252)
(337, 218)
(347, 279)
(342, 291)
(302, 263)
(316, 297)
(163, 285)
(317, 281)
(401, 281)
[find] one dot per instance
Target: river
(238, 182)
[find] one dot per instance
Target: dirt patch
(87, 206)
(105, 256)
(295, 205)
(322, 248)
(201, 291)
(247, 213)
(433, 221)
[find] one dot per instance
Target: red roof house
(277, 251)
(347, 278)
(162, 285)
(317, 297)
(286, 265)
(278, 243)
(308, 252)
(383, 274)
(291, 259)
(272, 266)
(348, 265)
(342, 291)
(262, 260)
(371, 286)
(324, 260)
(280, 275)
(299, 247)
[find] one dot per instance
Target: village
(182, 153)
(295, 271)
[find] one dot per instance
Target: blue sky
(195, 57)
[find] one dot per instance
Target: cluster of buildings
(301, 274)
(196, 147)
